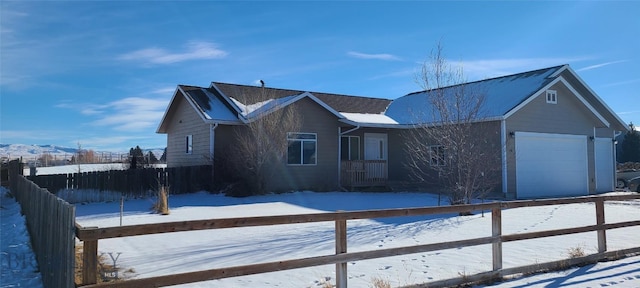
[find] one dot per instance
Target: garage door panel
(604, 164)
(550, 165)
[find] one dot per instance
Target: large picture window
(349, 148)
(302, 148)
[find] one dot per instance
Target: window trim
(349, 156)
(552, 96)
(189, 144)
(302, 141)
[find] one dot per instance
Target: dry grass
(576, 252)
(162, 204)
(103, 265)
(380, 283)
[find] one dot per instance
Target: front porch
(363, 173)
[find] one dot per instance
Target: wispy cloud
(628, 112)
(486, 68)
(193, 50)
(384, 56)
(132, 114)
(106, 141)
(34, 135)
(622, 83)
(128, 114)
(601, 65)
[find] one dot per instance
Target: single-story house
(555, 134)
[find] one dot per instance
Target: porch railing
(363, 173)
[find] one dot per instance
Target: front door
(375, 150)
(375, 146)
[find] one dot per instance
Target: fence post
(89, 262)
(496, 231)
(341, 247)
(602, 234)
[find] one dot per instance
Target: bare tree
(263, 141)
(449, 144)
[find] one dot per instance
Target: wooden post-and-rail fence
(91, 236)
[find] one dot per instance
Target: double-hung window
(349, 148)
(436, 156)
(302, 149)
(552, 97)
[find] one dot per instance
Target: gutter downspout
(615, 158)
(212, 139)
(340, 133)
(503, 143)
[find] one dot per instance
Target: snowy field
(162, 254)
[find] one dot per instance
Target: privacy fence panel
(133, 182)
(51, 225)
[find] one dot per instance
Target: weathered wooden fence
(136, 182)
(90, 237)
(51, 225)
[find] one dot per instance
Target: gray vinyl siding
(185, 121)
(568, 116)
(324, 175)
(397, 159)
(593, 101)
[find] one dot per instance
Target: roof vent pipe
(261, 83)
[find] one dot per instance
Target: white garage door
(604, 164)
(551, 165)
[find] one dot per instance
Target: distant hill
(31, 152)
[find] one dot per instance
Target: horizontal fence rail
(91, 236)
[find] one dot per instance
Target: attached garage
(551, 165)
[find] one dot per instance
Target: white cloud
(132, 114)
(386, 57)
(128, 114)
(164, 91)
(601, 65)
(194, 50)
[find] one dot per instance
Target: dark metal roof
(340, 103)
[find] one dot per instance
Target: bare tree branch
(449, 145)
(263, 141)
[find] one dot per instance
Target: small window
(350, 148)
(189, 144)
(552, 97)
(436, 155)
(302, 148)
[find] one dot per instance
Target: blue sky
(101, 73)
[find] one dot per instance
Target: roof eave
(162, 129)
(617, 118)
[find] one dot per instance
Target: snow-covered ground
(18, 266)
(162, 254)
